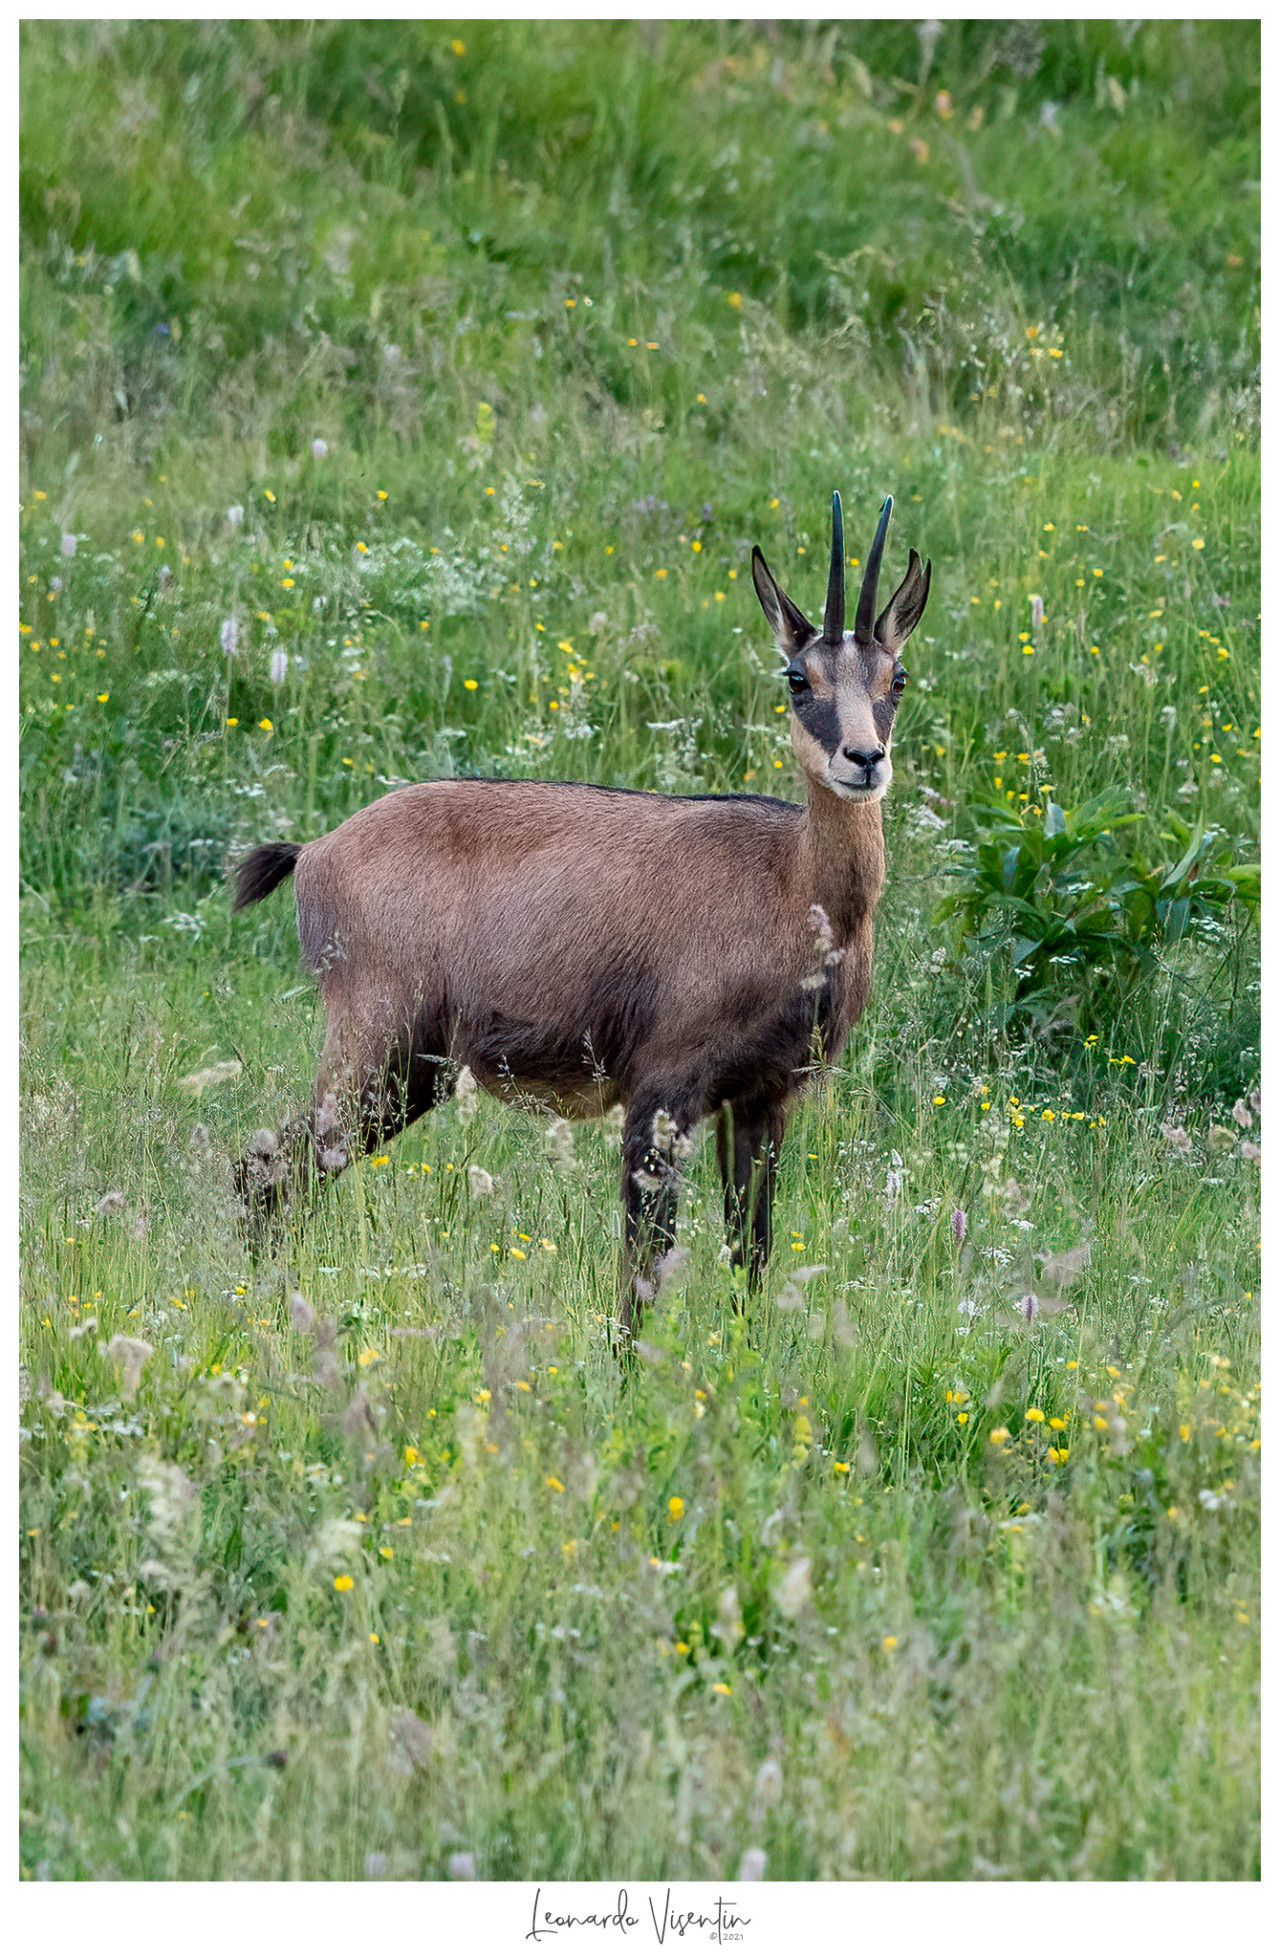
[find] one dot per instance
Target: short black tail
(262, 870)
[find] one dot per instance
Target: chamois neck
(842, 854)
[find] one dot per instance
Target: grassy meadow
(402, 400)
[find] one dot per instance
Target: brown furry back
(262, 870)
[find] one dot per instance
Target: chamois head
(845, 686)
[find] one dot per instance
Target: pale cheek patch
(810, 754)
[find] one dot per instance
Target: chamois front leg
(656, 1143)
(748, 1143)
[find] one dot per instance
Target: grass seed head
(130, 1355)
(301, 1313)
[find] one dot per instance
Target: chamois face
(843, 700)
(845, 686)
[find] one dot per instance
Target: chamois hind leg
(656, 1141)
(748, 1143)
(364, 1095)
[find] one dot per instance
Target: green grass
(889, 1579)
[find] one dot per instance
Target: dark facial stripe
(883, 711)
(819, 716)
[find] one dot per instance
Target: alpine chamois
(685, 956)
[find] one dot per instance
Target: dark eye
(898, 684)
(797, 680)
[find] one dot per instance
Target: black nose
(863, 757)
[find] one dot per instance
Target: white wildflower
(172, 1494)
(337, 1541)
(671, 1265)
(791, 1591)
(130, 1355)
(301, 1313)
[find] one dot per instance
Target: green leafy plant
(1066, 901)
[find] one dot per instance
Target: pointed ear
(902, 614)
(790, 628)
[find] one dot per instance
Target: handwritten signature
(724, 1924)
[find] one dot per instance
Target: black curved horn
(864, 624)
(833, 618)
